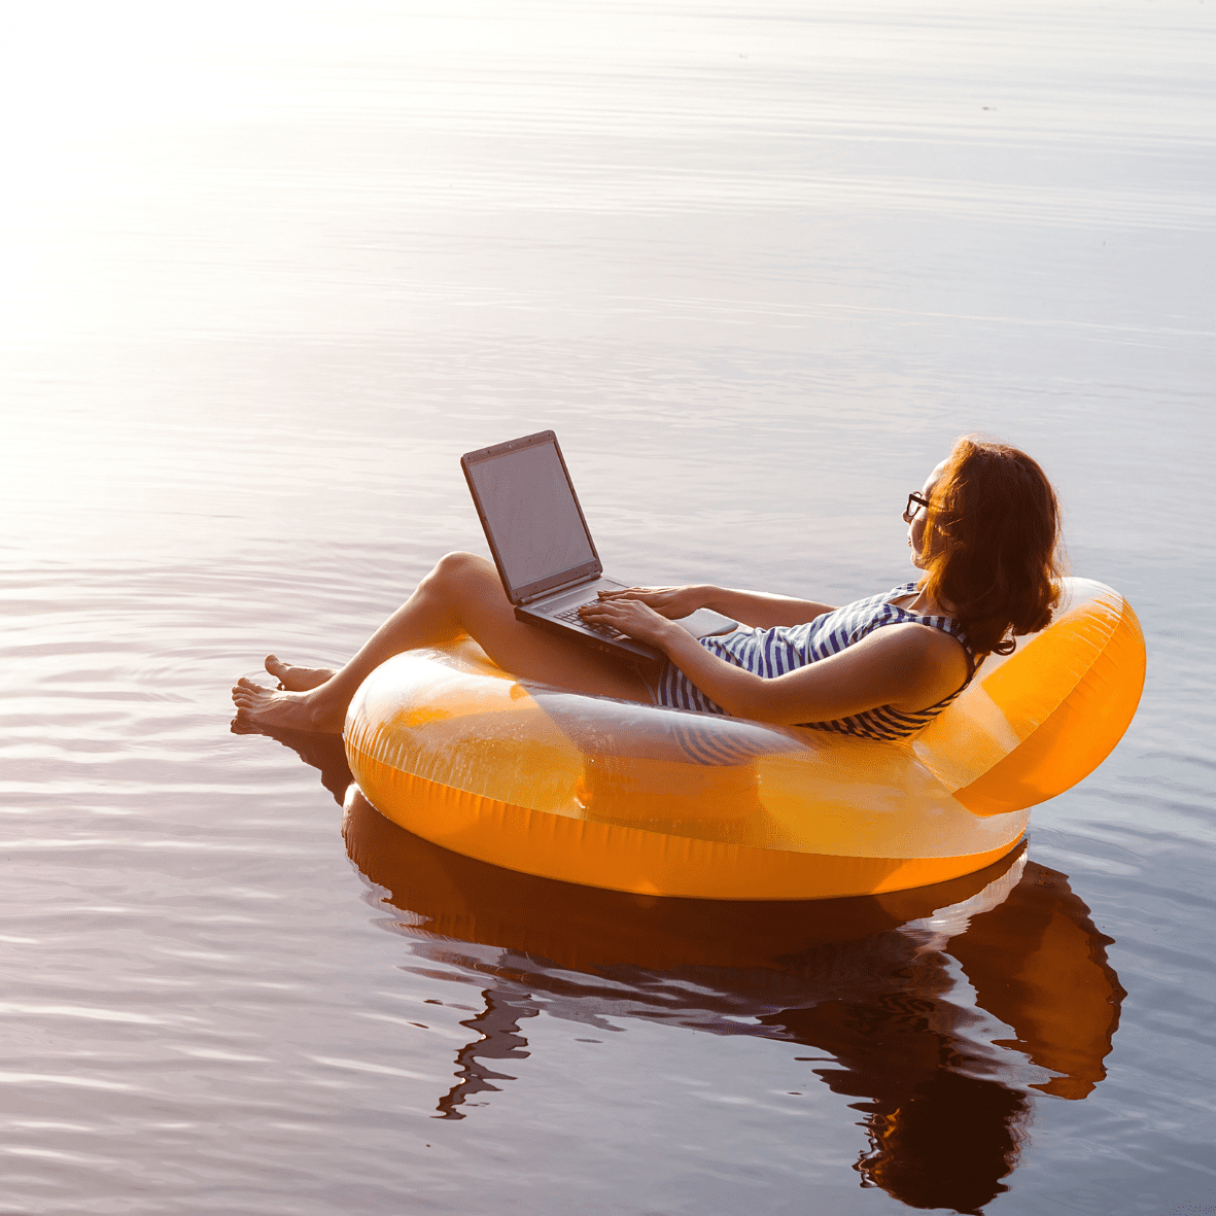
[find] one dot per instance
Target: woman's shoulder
(928, 637)
(934, 661)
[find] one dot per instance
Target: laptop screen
(531, 515)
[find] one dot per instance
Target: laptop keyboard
(571, 615)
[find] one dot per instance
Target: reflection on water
(499, 1039)
(940, 1010)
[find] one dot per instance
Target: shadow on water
(943, 1011)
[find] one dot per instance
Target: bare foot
(297, 679)
(286, 710)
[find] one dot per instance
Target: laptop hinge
(557, 587)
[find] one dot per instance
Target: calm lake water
(267, 270)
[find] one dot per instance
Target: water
(268, 270)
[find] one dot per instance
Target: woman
(983, 528)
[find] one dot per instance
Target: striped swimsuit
(773, 652)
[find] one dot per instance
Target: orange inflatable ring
(663, 802)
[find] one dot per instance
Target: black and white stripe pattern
(773, 652)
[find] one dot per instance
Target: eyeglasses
(916, 501)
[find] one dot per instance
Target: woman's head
(988, 542)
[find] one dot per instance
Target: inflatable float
(662, 802)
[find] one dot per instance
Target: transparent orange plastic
(661, 802)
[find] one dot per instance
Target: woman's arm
(908, 666)
(746, 607)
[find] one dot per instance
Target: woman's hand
(669, 602)
(632, 616)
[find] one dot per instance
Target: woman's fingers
(632, 593)
(670, 602)
(631, 616)
(606, 609)
(661, 599)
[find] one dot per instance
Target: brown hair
(991, 541)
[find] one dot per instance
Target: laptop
(543, 548)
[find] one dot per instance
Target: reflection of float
(656, 801)
(943, 1010)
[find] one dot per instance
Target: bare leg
(461, 595)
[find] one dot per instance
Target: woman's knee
(457, 573)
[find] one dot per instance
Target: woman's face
(916, 529)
